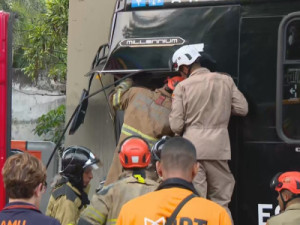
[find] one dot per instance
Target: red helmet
(134, 153)
(287, 180)
(173, 81)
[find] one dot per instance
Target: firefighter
(69, 196)
(201, 109)
(135, 156)
(157, 148)
(177, 167)
(155, 156)
(288, 187)
(146, 114)
(24, 179)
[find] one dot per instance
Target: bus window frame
(281, 61)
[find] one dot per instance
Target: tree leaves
(51, 124)
(46, 43)
(40, 36)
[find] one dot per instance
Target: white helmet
(186, 55)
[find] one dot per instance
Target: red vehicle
(5, 94)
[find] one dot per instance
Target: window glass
(293, 40)
(291, 101)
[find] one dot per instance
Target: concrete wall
(31, 100)
(89, 25)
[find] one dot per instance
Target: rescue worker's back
(155, 207)
(177, 166)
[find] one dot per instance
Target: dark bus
(258, 43)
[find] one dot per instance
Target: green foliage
(24, 12)
(46, 42)
(51, 124)
(3, 5)
(40, 36)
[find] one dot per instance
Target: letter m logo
(160, 221)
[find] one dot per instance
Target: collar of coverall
(177, 182)
(295, 206)
(200, 70)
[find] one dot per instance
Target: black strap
(171, 219)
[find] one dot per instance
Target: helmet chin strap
(285, 202)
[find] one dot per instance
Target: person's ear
(286, 195)
(158, 168)
(39, 190)
(195, 169)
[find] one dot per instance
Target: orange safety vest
(159, 205)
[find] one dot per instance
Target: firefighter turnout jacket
(106, 204)
(65, 204)
(157, 206)
(290, 216)
(146, 111)
(146, 114)
(21, 213)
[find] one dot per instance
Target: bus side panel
(262, 153)
(3, 98)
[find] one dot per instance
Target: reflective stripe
(120, 89)
(117, 99)
(129, 131)
(124, 86)
(139, 178)
(112, 221)
(91, 212)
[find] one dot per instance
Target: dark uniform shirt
(21, 213)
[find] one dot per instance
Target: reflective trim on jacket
(129, 131)
(106, 204)
(143, 114)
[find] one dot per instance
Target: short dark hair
(22, 173)
(178, 153)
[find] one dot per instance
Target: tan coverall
(146, 113)
(290, 216)
(65, 205)
(107, 203)
(201, 109)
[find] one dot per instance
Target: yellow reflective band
(139, 178)
(96, 218)
(128, 130)
(116, 99)
(95, 214)
(124, 85)
(112, 221)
